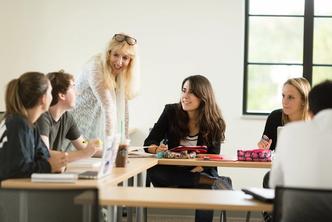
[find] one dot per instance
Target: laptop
(279, 131)
(107, 160)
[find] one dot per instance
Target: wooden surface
(219, 163)
(118, 175)
(174, 198)
(134, 167)
(158, 197)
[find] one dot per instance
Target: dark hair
(211, 123)
(320, 97)
(60, 82)
(23, 93)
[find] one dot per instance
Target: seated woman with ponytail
(22, 151)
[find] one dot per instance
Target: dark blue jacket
(22, 151)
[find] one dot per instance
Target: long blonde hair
(24, 93)
(132, 73)
(303, 87)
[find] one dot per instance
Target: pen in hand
(265, 142)
(266, 138)
(155, 148)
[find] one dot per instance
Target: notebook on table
(262, 194)
(106, 161)
(54, 177)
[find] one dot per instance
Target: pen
(138, 148)
(266, 138)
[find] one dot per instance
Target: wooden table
(135, 167)
(219, 163)
(181, 198)
(156, 197)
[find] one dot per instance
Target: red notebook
(197, 149)
(214, 157)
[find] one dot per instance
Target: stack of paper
(85, 163)
(135, 152)
(54, 177)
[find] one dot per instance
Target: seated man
(57, 124)
(304, 149)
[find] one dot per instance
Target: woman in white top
(104, 87)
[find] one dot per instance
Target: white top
(304, 154)
(189, 141)
(96, 106)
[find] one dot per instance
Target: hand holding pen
(265, 142)
(155, 149)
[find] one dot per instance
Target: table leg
(139, 210)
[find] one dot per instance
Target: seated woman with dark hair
(195, 120)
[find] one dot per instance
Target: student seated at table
(304, 155)
(22, 151)
(195, 120)
(294, 108)
(57, 124)
(304, 150)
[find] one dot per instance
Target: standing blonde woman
(22, 151)
(104, 87)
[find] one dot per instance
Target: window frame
(308, 41)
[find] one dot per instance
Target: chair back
(302, 205)
(32, 205)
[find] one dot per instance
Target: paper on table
(85, 163)
(54, 177)
(138, 151)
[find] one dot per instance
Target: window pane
(276, 7)
(322, 41)
(275, 39)
(265, 85)
(323, 7)
(320, 74)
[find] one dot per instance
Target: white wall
(177, 38)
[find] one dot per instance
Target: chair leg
(248, 216)
(145, 210)
(223, 216)
(130, 209)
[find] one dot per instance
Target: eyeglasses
(128, 39)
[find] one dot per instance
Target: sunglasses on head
(128, 39)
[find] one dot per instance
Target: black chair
(32, 205)
(302, 205)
